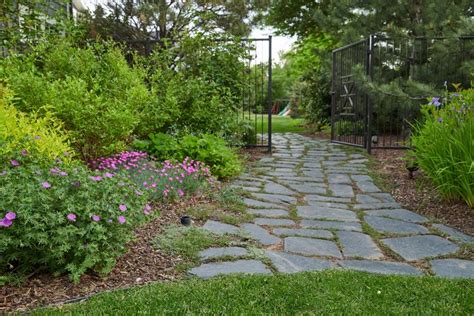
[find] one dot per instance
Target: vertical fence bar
(333, 97)
(368, 105)
(270, 101)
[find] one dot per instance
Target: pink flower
(63, 174)
(180, 192)
(71, 217)
(96, 178)
(95, 218)
(10, 216)
(108, 175)
(121, 219)
(24, 152)
(5, 222)
(14, 163)
(123, 207)
(46, 185)
(147, 209)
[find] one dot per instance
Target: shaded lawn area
(284, 124)
(329, 292)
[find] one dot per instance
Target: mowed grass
(329, 292)
(284, 124)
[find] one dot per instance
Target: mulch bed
(143, 263)
(418, 194)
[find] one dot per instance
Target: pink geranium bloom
(123, 207)
(14, 163)
(121, 219)
(95, 218)
(108, 175)
(180, 192)
(10, 216)
(96, 178)
(46, 185)
(5, 222)
(24, 152)
(71, 217)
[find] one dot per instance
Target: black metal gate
(364, 111)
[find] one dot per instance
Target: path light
(186, 220)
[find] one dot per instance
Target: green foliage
(208, 149)
(92, 90)
(444, 145)
(55, 228)
(41, 137)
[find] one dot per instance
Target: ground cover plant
(444, 147)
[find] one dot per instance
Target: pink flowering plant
(65, 218)
(162, 181)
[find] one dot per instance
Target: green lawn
(285, 124)
(329, 292)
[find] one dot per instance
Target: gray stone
(274, 222)
(308, 188)
(361, 178)
(256, 203)
(365, 199)
(367, 187)
(268, 212)
(266, 160)
(303, 232)
(339, 178)
(387, 225)
(358, 161)
(277, 174)
(384, 197)
(420, 247)
(275, 188)
(328, 204)
(351, 226)
(289, 263)
(312, 173)
(209, 270)
(260, 234)
(246, 183)
(341, 190)
(375, 206)
(315, 212)
(245, 188)
(401, 214)
(380, 267)
(453, 268)
(312, 247)
(212, 253)
(454, 233)
(358, 245)
(278, 198)
(323, 198)
(220, 228)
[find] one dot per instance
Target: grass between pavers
(328, 292)
(285, 124)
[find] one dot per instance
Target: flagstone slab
(275, 188)
(365, 199)
(220, 228)
(453, 268)
(256, 203)
(268, 212)
(367, 187)
(387, 225)
(315, 233)
(455, 234)
(420, 247)
(312, 247)
(322, 204)
(274, 222)
(308, 188)
(358, 245)
(213, 253)
(380, 267)
(209, 270)
(341, 190)
(361, 178)
(384, 197)
(350, 226)
(400, 214)
(339, 178)
(278, 198)
(260, 234)
(323, 198)
(375, 206)
(316, 212)
(245, 188)
(290, 263)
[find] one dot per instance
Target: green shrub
(65, 219)
(41, 137)
(444, 145)
(209, 149)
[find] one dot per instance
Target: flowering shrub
(162, 181)
(444, 144)
(64, 218)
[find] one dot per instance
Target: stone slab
(256, 203)
(420, 247)
(212, 253)
(268, 212)
(220, 228)
(275, 198)
(316, 233)
(365, 199)
(315, 212)
(274, 222)
(387, 225)
(367, 187)
(275, 188)
(326, 205)
(358, 245)
(307, 188)
(289, 263)
(341, 190)
(376, 206)
(209, 270)
(380, 267)
(350, 226)
(323, 198)
(339, 178)
(453, 268)
(260, 234)
(400, 214)
(312, 247)
(455, 234)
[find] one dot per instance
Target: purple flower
(435, 101)
(95, 218)
(71, 217)
(46, 185)
(63, 174)
(76, 184)
(5, 222)
(14, 163)
(440, 120)
(147, 209)
(123, 207)
(108, 175)
(96, 178)
(37, 137)
(121, 219)
(24, 152)
(10, 216)
(3, 173)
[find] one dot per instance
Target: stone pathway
(317, 208)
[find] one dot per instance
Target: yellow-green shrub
(42, 137)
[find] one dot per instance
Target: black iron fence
(379, 84)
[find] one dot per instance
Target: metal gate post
(270, 101)
(333, 97)
(368, 103)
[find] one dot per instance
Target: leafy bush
(64, 219)
(41, 137)
(208, 149)
(445, 146)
